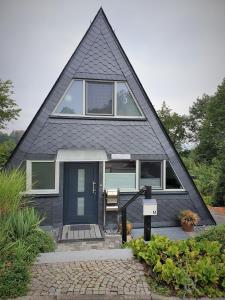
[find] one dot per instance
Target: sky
(177, 47)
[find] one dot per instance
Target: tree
(175, 124)
(212, 131)
(197, 116)
(6, 149)
(8, 107)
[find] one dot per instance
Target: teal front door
(80, 193)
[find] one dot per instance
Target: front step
(84, 255)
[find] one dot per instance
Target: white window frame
(164, 177)
(125, 190)
(90, 115)
(162, 174)
(29, 189)
(138, 172)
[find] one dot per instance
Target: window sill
(41, 192)
(157, 191)
(92, 117)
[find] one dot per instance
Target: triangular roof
(100, 56)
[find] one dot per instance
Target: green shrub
(14, 276)
(21, 240)
(215, 233)
(39, 242)
(12, 183)
(23, 222)
(189, 268)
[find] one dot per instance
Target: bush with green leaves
(214, 233)
(189, 268)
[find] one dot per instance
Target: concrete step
(84, 255)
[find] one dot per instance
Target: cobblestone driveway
(102, 277)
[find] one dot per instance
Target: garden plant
(194, 267)
(21, 238)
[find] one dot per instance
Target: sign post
(149, 209)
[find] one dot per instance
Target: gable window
(42, 176)
(98, 98)
(172, 182)
(126, 105)
(72, 101)
(151, 174)
(120, 174)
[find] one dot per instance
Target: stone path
(100, 277)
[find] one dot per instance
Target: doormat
(80, 227)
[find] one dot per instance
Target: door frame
(99, 188)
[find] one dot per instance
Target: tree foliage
(175, 125)
(205, 126)
(8, 107)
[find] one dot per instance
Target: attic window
(98, 98)
(72, 101)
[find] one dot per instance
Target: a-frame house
(97, 130)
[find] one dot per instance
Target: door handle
(94, 187)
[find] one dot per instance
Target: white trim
(173, 190)
(115, 99)
(164, 175)
(29, 189)
(138, 106)
(84, 95)
(120, 156)
(103, 176)
(54, 113)
(137, 174)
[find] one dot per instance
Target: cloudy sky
(177, 47)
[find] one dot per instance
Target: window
(105, 99)
(151, 174)
(72, 101)
(126, 105)
(172, 182)
(99, 98)
(120, 174)
(42, 176)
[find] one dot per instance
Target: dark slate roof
(113, 136)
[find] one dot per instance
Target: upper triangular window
(98, 98)
(72, 101)
(126, 104)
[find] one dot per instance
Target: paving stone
(106, 277)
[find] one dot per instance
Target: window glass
(43, 175)
(126, 105)
(99, 98)
(80, 206)
(172, 182)
(151, 174)
(72, 102)
(120, 174)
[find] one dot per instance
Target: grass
(11, 185)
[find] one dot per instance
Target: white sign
(149, 207)
(120, 156)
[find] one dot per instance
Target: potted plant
(129, 227)
(188, 219)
